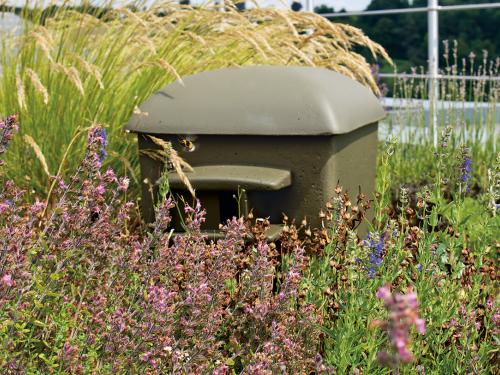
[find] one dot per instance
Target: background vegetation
(405, 35)
(84, 287)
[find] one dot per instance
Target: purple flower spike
(375, 243)
(8, 128)
(466, 168)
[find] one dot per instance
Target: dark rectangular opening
(220, 206)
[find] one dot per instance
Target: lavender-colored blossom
(7, 280)
(3, 207)
(8, 128)
(96, 147)
(145, 303)
(102, 137)
(403, 313)
(375, 243)
(123, 183)
(375, 71)
(466, 168)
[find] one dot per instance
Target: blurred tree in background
(405, 35)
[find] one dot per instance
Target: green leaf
(465, 220)
(433, 219)
(38, 323)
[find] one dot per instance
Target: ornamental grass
(68, 68)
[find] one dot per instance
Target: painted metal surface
(286, 136)
(226, 177)
(259, 100)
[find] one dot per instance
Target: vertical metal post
(220, 6)
(433, 55)
(309, 6)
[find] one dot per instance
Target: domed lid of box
(259, 100)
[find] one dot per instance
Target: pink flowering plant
(403, 314)
(80, 293)
(84, 288)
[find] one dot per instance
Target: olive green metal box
(285, 135)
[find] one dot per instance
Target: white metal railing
(439, 8)
(440, 76)
(433, 8)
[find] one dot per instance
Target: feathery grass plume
(302, 56)
(38, 152)
(35, 80)
(197, 38)
(43, 40)
(148, 43)
(90, 69)
(252, 42)
(21, 97)
(162, 63)
(133, 16)
(74, 76)
(177, 162)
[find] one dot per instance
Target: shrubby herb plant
(80, 294)
(84, 290)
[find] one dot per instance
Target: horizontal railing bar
(374, 12)
(441, 76)
(468, 7)
(411, 10)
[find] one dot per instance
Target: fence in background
(433, 8)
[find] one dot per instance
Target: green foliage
(405, 35)
(436, 212)
(447, 263)
(436, 226)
